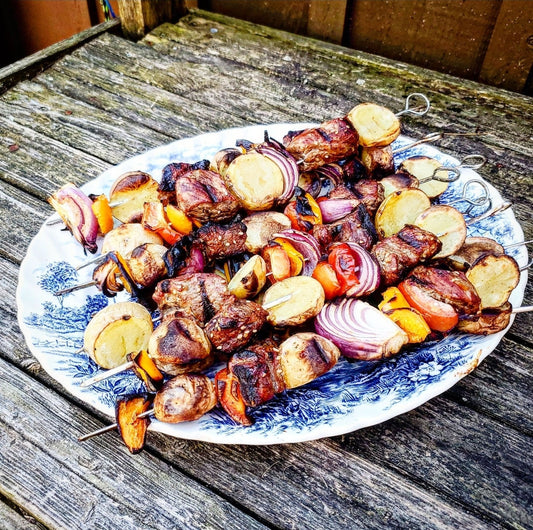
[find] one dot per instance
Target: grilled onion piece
(132, 190)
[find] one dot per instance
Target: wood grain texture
(12, 520)
(93, 485)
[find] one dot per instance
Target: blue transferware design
(351, 396)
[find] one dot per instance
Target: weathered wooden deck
(461, 460)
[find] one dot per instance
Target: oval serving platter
(351, 396)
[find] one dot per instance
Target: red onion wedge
(369, 274)
(75, 209)
(288, 167)
(306, 245)
(360, 330)
(335, 209)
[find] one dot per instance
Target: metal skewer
(417, 111)
(432, 137)
(112, 427)
(130, 364)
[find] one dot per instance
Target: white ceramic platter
(353, 395)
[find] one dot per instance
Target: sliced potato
(255, 180)
(494, 278)
(398, 182)
(115, 331)
(377, 126)
(250, 278)
(129, 192)
(127, 237)
(379, 161)
(261, 227)
(307, 299)
(306, 356)
(423, 168)
(488, 321)
(399, 209)
(472, 249)
(448, 224)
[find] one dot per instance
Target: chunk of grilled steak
(399, 253)
(171, 173)
(451, 287)
(235, 325)
(222, 241)
(333, 140)
(370, 192)
(200, 296)
(356, 227)
(258, 372)
(202, 195)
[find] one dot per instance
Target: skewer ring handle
(455, 174)
(411, 109)
(473, 161)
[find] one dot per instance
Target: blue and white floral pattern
(351, 396)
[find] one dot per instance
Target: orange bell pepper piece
(325, 274)
(104, 215)
(179, 220)
(296, 259)
(304, 212)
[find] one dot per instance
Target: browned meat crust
(202, 195)
(235, 325)
(398, 254)
(222, 241)
(258, 372)
(198, 296)
(451, 287)
(333, 140)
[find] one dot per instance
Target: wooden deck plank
(71, 485)
(77, 124)
(12, 520)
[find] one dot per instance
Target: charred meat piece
(179, 346)
(258, 372)
(199, 296)
(401, 252)
(356, 227)
(171, 173)
(202, 195)
(235, 325)
(450, 287)
(221, 241)
(333, 140)
(341, 192)
(370, 192)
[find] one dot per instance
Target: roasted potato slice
(307, 299)
(399, 209)
(224, 158)
(250, 278)
(306, 356)
(472, 249)
(377, 126)
(255, 180)
(261, 227)
(379, 161)
(488, 321)
(115, 331)
(423, 168)
(129, 192)
(494, 278)
(448, 224)
(125, 238)
(398, 182)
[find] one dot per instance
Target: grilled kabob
(257, 373)
(401, 252)
(171, 173)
